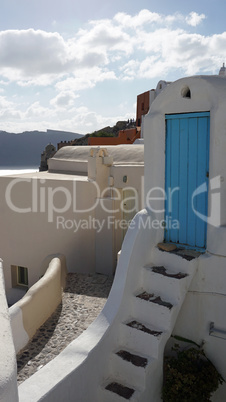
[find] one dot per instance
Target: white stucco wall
(8, 369)
(40, 301)
(80, 370)
(67, 158)
(206, 299)
(53, 226)
(32, 236)
(207, 95)
(88, 358)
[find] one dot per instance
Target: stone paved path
(82, 301)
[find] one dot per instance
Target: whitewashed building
(174, 251)
(80, 208)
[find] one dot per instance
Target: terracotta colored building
(143, 104)
(127, 136)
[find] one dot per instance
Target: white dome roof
(122, 154)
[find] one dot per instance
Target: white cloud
(130, 69)
(89, 120)
(4, 103)
(37, 111)
(64, 99)
(142, 18)
(174, 18)
(159, 67)
(9, 114)
(37, 57)
(33, 52)
(104, 37)
(165, 51)
(102, 50)
(195, 19)
(8, 110)
(103, 34)
(4, 83)
(125, 48)
(85, 78)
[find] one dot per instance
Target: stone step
(165, 272)
(152, 298)
(188, 254)
(114, 391)
(129, 367)
(150, 308)
(169, 285)
(140, 337)
(154, 304)
(136, 360)
(120, 389)
(183, 261)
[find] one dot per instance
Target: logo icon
(215, 201)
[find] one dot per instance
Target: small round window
(186, 92)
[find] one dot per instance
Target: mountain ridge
(24, 149)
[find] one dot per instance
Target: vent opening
(186, 92)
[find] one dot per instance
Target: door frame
(180, 116)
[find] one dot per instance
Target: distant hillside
(24, 150)
(113, 131)
(106, 131)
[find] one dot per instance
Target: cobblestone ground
(82, 301)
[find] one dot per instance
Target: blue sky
(79, 66)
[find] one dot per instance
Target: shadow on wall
(8, 381)
(39, 303)
(40, 339)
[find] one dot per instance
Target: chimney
(222, 71)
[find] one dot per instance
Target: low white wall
(34, 235)
(52, 225)
(67, 166)
(8, 371)
(76, 372)
(41, 300)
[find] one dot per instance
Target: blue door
(187, 166)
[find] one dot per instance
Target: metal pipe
(216, 332)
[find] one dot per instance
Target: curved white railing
(8, 373)
(81, 365)
(40, 301)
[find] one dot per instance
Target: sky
(79, 65)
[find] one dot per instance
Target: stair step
(121, 390)
(183, 261)
(151, 309)
(150, 297)
(144, 338)
(129, 366)
(165, 283)
(184, 253)
(141, 327)
(162, 271)
(136, 360)
(135, 366)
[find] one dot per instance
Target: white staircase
(135, 367)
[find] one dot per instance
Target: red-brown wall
(143, 104)
(124, 137)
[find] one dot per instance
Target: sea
(7, 171)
